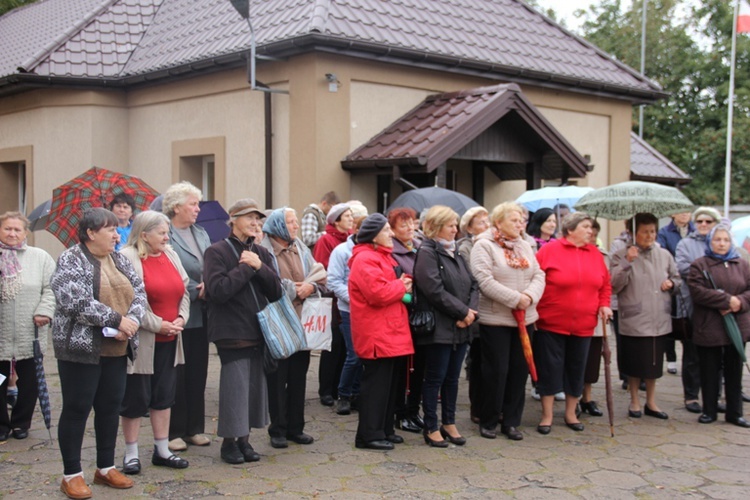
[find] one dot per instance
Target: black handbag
(421, 317)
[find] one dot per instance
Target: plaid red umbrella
(96, 187)
(520, 316)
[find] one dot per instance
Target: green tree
(6, 5)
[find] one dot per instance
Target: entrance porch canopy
(496, 127)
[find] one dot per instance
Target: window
(202, 163)
(15, 179)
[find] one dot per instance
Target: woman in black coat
(240, 280)
(444, 282)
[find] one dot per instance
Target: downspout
(269, 149)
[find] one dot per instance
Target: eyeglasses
(705, 221)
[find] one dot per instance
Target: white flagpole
(730, 114)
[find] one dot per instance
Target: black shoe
(231, 453)
(706, 419)
(406, 424)
(343, 406)
(3, 436)
(487, 433)
(512, 433)
(653, 413)
(721, 407)
(591, 408)
(624, 385)
(693, 407)
(634, 413)
(354, 400)
(327, 400)
(435, 444)
(301, 438)
(576, 426)
(131, 467)
(20, 433)
(544, 429)
(279, 442)
(740, 422)
(458, 441)
(248, 453)
(417, 420)
(745, 398)
(378, 444)
(394, 438)
(642, 386)
(172, 461)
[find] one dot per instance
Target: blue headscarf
(275, 225)
(731, 254)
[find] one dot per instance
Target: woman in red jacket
(577, 293)
(380, 330)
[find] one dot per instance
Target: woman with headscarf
(300, 277)
(27, 305)
(576, 294)
(542, 226)
(181, 203)
(101, 302)
(644, 277)
(240, 281)
(444, 282)
(380, 330)
(720, 284)
(152, 377)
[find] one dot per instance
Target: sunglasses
(705, 221)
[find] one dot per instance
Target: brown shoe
(113, 479)
(75, 488)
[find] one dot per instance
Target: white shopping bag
(316, 321)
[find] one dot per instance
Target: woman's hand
(407, 281)
(169, 328)
(734, 304)
(41, 320)
(470, 317)
(524, 303)
(605, 313)
(121, 336)
(127, 326)
(180, 321)
(632, 253)
(201, 290)
(251, 259)
(304, 289)
(667, 285)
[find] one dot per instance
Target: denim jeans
(352, 371)
(444, 364)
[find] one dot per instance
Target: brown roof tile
(648, 164)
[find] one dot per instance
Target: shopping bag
(316, 321)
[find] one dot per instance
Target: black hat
(370, 228)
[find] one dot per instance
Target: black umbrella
(38, 216)
(422, 198)
(213, 218)
(41, 381)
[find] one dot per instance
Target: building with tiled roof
(159, 89)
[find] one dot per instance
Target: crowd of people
(134, 306)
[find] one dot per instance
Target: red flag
(743, 17)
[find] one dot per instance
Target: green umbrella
(730, 325)
(624, 200)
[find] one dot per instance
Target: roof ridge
(319, 17)
(29, 64)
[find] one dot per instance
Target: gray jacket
(689, 249)
(193, 267)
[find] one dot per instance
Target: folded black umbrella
(41, 381)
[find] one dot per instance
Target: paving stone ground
(647, 458)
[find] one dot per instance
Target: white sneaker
(534, 394)
(560, 396)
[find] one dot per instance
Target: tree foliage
(6, 5)
(689, 56)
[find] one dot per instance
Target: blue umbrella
(741, 229)
(548, 197)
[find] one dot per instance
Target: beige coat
(644, 310)
(501, 286)
(144, 364)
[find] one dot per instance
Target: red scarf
(512, 250)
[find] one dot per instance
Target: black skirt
(643, 357)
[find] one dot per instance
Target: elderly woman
(576, 294)
(473, 223)
(380, 330)
(644, 276)
(152, 377)
(689, 249)
(509, 278)
(240, 281)
(542, 226)
(720, 284)
(27, 304)
(300, 277)
(410, 376)
(189, 241)
(444, 282)
(101, 302)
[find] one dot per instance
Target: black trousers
(476, 377)
(711, 360)
(504, 371)
(28, 390)
(331, 364)
(691, 370)
(377, 399)
(286, 395)
(188, 416)
(84, 387)
(408, 383)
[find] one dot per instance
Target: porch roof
(648, 164)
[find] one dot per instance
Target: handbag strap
(252, 288)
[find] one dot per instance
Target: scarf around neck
(10, 271)
(512, 250)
